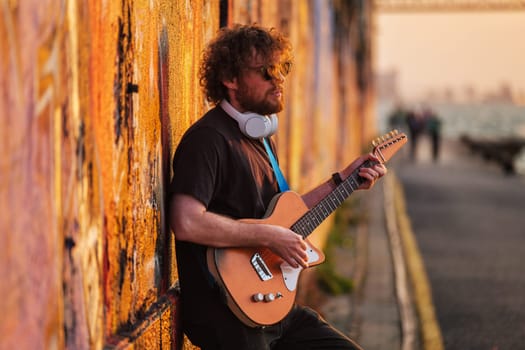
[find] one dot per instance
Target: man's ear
(231, 83)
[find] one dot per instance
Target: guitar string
(319, 212)
(323, 209)
(332, 201)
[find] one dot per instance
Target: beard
(263, 106)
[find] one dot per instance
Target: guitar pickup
(260, 267)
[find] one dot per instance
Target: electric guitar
(259, 286)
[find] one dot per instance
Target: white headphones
(251, 124)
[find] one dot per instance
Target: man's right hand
(288, 245)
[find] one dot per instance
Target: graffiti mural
(94, 98)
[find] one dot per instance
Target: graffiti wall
(94, 97)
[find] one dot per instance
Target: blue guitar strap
(283, 185)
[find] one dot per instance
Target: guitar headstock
(387, 145)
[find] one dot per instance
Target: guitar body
(260, 288)
(247, 273)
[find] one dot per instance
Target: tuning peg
(374, 143)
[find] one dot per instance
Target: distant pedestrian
(415, 128)
(433, 128)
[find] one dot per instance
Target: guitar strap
(283, 185)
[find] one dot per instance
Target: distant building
(503, 94)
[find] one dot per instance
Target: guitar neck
(384, 148)
(316, 215)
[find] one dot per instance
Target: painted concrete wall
(94, 97)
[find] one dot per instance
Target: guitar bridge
(260, 267)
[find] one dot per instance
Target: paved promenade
(469, 221)
(439, 263)
(370, 314)
(380, 313)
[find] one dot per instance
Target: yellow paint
(430, 331)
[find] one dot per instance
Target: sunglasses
(274, 71)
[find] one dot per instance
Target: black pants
(302, 329)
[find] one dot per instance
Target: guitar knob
(269, 297)
(257, 297)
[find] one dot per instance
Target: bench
(502, 150)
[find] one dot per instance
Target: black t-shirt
(232, 176)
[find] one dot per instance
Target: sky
(452, 49)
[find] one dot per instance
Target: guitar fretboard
(315, 216)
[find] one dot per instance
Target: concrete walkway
(468, 217)
(385, 311)
(370, 314)
(392, 306)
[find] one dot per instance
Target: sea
(487, 120)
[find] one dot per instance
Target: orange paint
(95, 96)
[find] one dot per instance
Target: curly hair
(232, 49)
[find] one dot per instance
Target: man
(222, 173)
